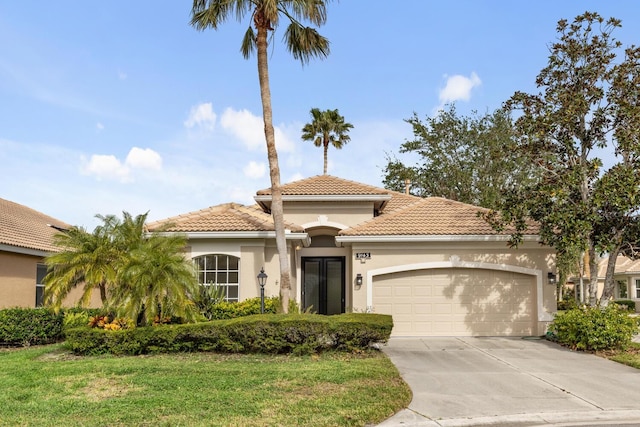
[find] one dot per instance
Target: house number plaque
(363, 255)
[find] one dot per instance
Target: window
(41, 271)
(220, 270)
(637, 282)
(622, 289)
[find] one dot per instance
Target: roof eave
(23, 250)
(194, 235)
(433, 238)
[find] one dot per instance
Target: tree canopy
(588, 105)
(470, 159)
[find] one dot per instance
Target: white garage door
(457, 302)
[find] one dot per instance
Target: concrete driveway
(510, 382)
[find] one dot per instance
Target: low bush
(567, 304)
(29, 326)
(270, 333)
(594, 328)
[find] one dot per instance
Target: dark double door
(323, 284)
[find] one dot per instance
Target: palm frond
(305, 43)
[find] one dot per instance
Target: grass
(629, 356)
(47, 386)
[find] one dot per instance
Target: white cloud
(104, 166)
(201, 116)
(458, 88)
(249, 129)
(139, 158)
(109, 167)
(254, 170)
(99, 127)
(122, 75)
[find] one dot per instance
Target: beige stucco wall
(337, 214)
(18, 279)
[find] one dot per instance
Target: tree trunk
(609, 283)
(274, 169)
(593, 275)
(326, 149)
(103, 293)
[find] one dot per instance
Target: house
(626, 279)
(433, 264)
(26, 237)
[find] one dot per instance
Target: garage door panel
(463, 302)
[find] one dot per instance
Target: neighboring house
(433, 264)
(26, 237)
(626, 278)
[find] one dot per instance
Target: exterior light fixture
(262, 280)
(358, 279)
(551, 278)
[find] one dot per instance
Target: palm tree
(139, 276)
(87, 259)
(327, 127)
(156, 282)
(303, 43)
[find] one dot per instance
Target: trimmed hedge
(625, 303)
(268, 333)
(29, 326)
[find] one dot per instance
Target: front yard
(47, 386)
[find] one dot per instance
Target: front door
(323, 284)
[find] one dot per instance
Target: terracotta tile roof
(322, 185)
(24, 227)
(430, 216)
(399, 201)
(221, 218)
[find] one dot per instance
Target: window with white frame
(219, 270)
(41, 271)
(637, 283)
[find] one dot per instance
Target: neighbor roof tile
(24, 227)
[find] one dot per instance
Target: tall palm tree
(327, 127)
(303, 43)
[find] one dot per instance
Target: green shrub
(29, 326)
(567, 304)
(248, 307)
(269, 333)
(625, 303)
(593, 328)
(75, 320)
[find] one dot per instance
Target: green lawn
(630, 356)
(46, 386)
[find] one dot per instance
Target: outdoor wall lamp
(551, 278)
(262, 280)
(358, 279)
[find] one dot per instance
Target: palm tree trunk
(272, 154)
(326, 149)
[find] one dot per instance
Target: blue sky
(121, 105)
